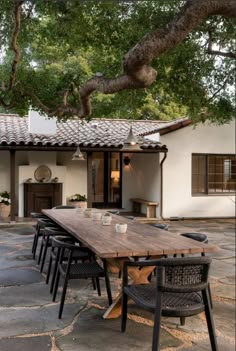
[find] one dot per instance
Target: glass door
(114, 196)
(105, 190)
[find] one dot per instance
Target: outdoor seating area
(117, 175)
(27, 299)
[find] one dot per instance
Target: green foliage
(5, 198)
(77, 197)
(64, 43)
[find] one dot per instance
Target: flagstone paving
(28, 317)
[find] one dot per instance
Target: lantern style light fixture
(126, 160)
(131, 143)
(78, 155)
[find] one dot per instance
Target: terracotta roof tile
(96, 133)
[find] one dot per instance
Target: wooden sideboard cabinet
(38, 196)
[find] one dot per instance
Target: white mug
(121, 227)
(97, 215)
(88, 212)
(106, 219)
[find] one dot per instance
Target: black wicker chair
(196, 236)
(70, 270)
(46, 242)
(39, 229)
(78, 254)
(36, 216)
(180, 290)
(161, 226)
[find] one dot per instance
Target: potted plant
(77, 200)
(5, 204)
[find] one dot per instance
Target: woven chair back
(183, 274)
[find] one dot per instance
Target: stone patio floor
(28, 317)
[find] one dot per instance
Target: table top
(139, 240)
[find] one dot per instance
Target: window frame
(207, 192)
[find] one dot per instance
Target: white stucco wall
(177, 197)
(4, 173)
(76, 174)
(73, 174)
(21, 158)
(141, 179)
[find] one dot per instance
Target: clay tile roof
(108, 133)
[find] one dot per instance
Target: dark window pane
(98, 176)
(221, 173)
(217, 171)
(198, 174)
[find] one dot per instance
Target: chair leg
(210, 297)
(94, 284)
(49, 270)
(55, 288)
(182, 320)
(98, 286)
(35, 244)
(209, 319)
(40, 251)
(36, 234)
(63, 298)
(157, 325)
(124, 312)
(44, 254)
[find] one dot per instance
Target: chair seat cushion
(173, 304)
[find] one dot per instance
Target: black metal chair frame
(78, 254)
(41, 223)
(196, 236)
(180, 290)
(46, 242)
(83, 270)
(37, 216)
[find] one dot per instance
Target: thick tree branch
(210, 51)
(135, 64)
(36, 100)
(17, 16)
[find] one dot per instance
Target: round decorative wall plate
(43, 174)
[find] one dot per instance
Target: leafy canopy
(63, 44)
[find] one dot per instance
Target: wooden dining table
(140, 240)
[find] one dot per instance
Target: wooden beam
(13, 184)
(83, 149)
(89, 179)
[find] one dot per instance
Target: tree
(53, 53)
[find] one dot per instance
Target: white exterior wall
(72, 174)
(21, 159)
(177, 192)
(4, 170)
(141, 179)
(76, 174)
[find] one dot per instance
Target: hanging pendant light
(131, 143)
(78, 155)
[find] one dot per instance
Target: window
(213, 174)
